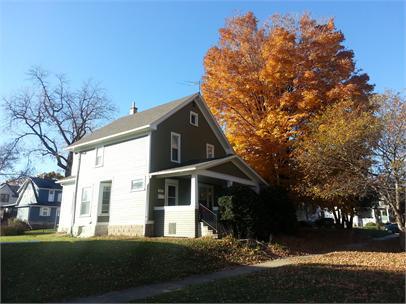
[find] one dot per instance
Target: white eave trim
(73, 147)
(65, 181)
(198, 166)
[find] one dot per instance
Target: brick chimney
(133, 109)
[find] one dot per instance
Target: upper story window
(194, 119)
(4, 197)
(85, 201)
(175, 147)
(59, 197)
(44, 211)
(51, 195)
(99, 156)
(209, 151)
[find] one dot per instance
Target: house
(39, 202)
(8, 197)
(379, 214)
(153, 173)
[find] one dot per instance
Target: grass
(41, 266)
(335, 277)
(60, 267)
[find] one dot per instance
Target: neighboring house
(39, 202)
(380, 213)
(154, 173)
(8, 198)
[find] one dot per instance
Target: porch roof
(201, 167)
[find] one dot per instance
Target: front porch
(183, 201)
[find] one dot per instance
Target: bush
(237, 212)
(247, 214)
(14, 227)
(371, 225)
(275, 213)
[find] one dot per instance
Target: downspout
(75, 195)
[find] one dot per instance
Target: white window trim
(102, 156)
(179, 147)
(196, 115)
(207, 151)
(59, 195)
(172, 182)
(41, 213)
(51, 195)
(143, 184)
(90, 202)
(101, 198)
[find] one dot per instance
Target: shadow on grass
(297, 283)
(319, 241)
(52, 271)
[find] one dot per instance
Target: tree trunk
(336, 214)
(68, 170)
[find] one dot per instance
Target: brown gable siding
(193, 139)
(230, 169)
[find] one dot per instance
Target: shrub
(275, 213)
(237, 212)
(247, 214)
(14, 227)
(371, 225)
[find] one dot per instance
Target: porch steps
(207, 231)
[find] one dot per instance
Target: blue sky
(146, 51)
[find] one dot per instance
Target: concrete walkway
(146, 291)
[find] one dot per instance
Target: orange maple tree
(263, 83)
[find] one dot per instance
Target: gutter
(75, 196)
(93, 142)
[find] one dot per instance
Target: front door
(206, 195)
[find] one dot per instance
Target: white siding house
(134, 177)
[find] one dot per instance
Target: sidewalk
(146, 291)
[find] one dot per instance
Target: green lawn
(42, 267)
(338, 277)
(60, 267)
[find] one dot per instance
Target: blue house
(38, 202)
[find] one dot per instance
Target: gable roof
(39, 183)
(45, 183)
(207, 164)
(133, 122)
(13, 188)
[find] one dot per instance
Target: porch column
(194, 191)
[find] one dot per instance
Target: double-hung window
(99, 156)
(51, 195)
(175, 147)
(209, 151)
(194, 119)
(45, 211)
(85, 201)
(4, 197)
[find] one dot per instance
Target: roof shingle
(133, 121)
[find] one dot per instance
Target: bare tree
(8, 157)
(10, 154)
(391, 154)
(55, 115)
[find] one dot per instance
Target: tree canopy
(264, 83)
